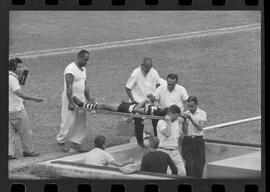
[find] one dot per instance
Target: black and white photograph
(141, 95)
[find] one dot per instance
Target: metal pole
(222, 125)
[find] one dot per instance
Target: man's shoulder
(162, 121)
(153, 70)
(201, 111)
(12, 75)
(136, 70)
(154, 154)
(163, 153)
(180, 87)
(72, 64)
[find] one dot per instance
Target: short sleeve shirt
(141, 85)
(15, 102)
(98, 157)
(199, 115)
(176, 131)
(167, 98)
(79, 77)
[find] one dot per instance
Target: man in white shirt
(18, 117)
(142, 82)
(73, 126)
(99, 157)
(169, 131)
(171, 93)
(193, 144)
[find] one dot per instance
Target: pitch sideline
(139, 41)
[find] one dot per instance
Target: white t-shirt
(79, 77)
(167, 98)
(142, 86)
(98, 157)
(162, 82)
(176, 131)
(199, 115)
(15, 102)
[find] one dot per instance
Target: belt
(194, 136)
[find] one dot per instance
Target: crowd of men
(177, 146)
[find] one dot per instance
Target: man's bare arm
(167, 130)
(86, 92)
(199, 124)
(185, 126)
(25, 96)
(130, 94)
(69, 82)
(122, 163)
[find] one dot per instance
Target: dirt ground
(222, 70)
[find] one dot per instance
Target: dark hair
(13, 63)
(82, 53)
(99, 141)
(147, 58)
(172, 76)
(174, 109)
(193, 98)
(153, 142)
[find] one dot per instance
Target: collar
(13, 74)
(197, 111)
(143, 73)
(175, 88)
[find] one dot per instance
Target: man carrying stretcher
(145, 107)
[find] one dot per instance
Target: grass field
(222, 70)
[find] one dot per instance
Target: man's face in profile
(82, 61)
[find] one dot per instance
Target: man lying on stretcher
(145, 107)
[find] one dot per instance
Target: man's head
(99, 142)
(15, 65)
(147, 64)
(174, 112)
(82, 58)
(172, 80)
(153, 142)
(192, 104)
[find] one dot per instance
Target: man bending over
(99, 157)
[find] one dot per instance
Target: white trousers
(177, 159)
(19, 123)
(73, 126)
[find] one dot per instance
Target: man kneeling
(99, 157)
(157, 161)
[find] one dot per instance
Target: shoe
(31, 154)
(12, 157)
(78, 148)
(63, 147)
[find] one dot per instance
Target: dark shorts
(124, 107)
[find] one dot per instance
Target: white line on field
(139, 41)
